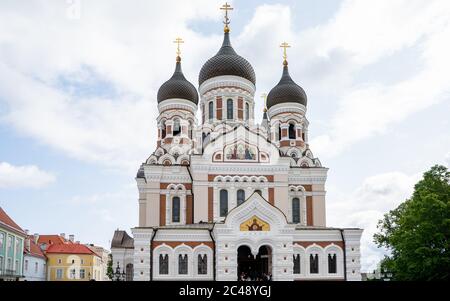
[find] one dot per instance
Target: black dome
(227, 62)
(286, 91)
(178, 87)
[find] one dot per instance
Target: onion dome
(286, 91)
(227, 62)
(178, 87)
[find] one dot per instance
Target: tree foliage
(417, 231)
(110, 270)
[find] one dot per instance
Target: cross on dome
(285, 46)
(178, 41)
(226, 7)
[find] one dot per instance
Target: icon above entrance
(254, 224)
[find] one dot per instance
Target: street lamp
(385, 275)
(117, 275)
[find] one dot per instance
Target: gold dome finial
(178, 41)
(264, 97)
(285, 46)
(226, 7)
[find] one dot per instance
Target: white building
(34, 261)
(226, 197)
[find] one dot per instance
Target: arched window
(163, 264)
(230, 109)
(223, 203)
(163, 130)
(258, 192)
(240, 196)
(176, 209)
(247, 111)
(182, 264)
(202, 264)
(190, 129)
(279, 133)
(332, 264)
(129, 272)
(314, 264)
(297, 264)
(295, 210)
(211, 110)
(176, 127)
(291, 131)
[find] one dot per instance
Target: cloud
(87, 86)
(366, 205)
(29, 176)
(384, 28)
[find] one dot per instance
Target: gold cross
(285, 45)
(178, 41)
(226, 7)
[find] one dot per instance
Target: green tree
(417, 231)
(110, 270)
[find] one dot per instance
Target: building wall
(34, 268)
(91, 265)
(11, 254)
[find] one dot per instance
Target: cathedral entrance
(253, 268)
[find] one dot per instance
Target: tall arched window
(176, 209)
(191, 125)
(314, 264)
(332, 264)
(163, 264)
(247, 111)
(295, 210)
(202, 264)
(240, 196)
(211, 110)
(223, 203)
(229, 109)
(163, 130)
(182, 264)
(176, 127)
(291, 131)
(279, 133)
(297, 264)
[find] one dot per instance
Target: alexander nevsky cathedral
(224, 198)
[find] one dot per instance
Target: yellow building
(72, 262)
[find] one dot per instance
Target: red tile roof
(69, 249)
(52, 239)
(6, 220)
(34, 249)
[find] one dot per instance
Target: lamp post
(385, 275)
(119, 276)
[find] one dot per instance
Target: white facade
(34, 268)
(228, 197)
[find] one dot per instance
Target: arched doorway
(257, 268)
(129, 272)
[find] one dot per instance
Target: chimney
(36, 237)
(27, 231)
(63, 235)
(28, 243)
(71, 237)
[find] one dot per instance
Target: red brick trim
(322, 244)
(162, 210)
(309, 211)
(210, 204)
(174, 244)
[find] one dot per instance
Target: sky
(78, 84)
